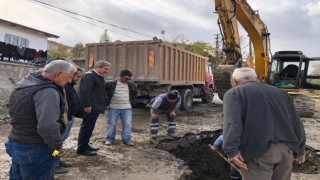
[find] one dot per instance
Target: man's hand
(300, 159)
(173, 114)
(239, 161)
(87, 110)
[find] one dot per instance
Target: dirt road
(188, 157)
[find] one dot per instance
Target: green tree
(198, 47)
(105, 37)
(78, 50)
(61, 51)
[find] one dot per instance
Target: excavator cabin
(294, 70)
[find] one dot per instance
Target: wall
(37, 41)
(11, 73)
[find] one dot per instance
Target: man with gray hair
(262, 131)
(37, 108)
(92, 99)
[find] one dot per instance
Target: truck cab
(209, 84)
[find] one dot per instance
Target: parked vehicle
(157, 67)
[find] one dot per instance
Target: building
(19, 43)
(23, 36)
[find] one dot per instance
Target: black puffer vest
(23, 115)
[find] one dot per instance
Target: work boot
(153, 136)
(172, 134)
(64, 164)
(60, 170)
(153, 139)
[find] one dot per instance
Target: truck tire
(208, 97)
(186, 99)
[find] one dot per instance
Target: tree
(61, 51)
(105, 37)
(78, 50)
(198, 47)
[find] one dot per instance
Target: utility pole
(217, 49)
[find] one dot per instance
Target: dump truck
(157, 67)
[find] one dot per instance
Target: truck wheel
(208, 97)
(186, 99)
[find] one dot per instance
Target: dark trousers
(154, 123)
(88, 123)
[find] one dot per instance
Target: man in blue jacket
(262, 131)
(217, 144)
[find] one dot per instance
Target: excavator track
(223, 79)
(304, 104)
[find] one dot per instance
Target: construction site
(186, 157)
(160, 67)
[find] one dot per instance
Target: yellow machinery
(289, 70)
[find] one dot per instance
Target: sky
(293, 24)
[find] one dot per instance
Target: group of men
(44, 104)
(262, 132)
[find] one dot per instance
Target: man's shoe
(93, 149)
(87, 153)
(128, 143)
(64, 164)
(108, 142)
(60, 170)
(172, 134)
(153, 136)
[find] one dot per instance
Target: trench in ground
(194, 150)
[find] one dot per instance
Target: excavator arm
(231, 12)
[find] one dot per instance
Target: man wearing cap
(121, 96)
(168, 103)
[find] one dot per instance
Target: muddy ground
(184, 157)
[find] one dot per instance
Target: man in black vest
(92, 99)
(37, 107)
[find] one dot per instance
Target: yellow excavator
(292, 71)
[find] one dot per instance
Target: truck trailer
(157, 67)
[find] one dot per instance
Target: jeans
(30, 161)
(88, 123)
(126, 119)
(66, 134)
